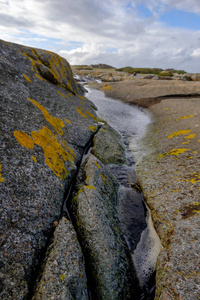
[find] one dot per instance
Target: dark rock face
(94, 210)
(64, 272)
(45, 124)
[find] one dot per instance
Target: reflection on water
(127, 119)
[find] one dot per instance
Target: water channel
(143, 242)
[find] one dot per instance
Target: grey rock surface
(110, 269)
(108, 146)
(64, 271)
(46, 122)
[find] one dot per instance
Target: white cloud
(107, 31)
(196, 53)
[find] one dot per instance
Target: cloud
(107, 31)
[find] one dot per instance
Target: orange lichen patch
(177, 133)
(24, 139)
(80, 112)
(173, 152)
(68, 121)
(27, 78)
(1, 178)
(166, 108)
(185, 117)
(39, 77)
(60, 69)
(55, 155)
(93, 128)
(102, 177)
(90, 115)
(98, 166)
(198, 141)
(194, 152)
(190, 136)
(67, 148)
(57, 124)
(34, 158)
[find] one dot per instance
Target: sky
(139, 33)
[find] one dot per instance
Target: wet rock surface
(45, 124)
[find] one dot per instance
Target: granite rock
(110, 269)
(46, 122)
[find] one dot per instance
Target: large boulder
(46, 123)
(110, 268)
(108, 146)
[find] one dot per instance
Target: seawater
(131, 122)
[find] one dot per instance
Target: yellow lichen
(90, 187)
(38, 76)
(27, 78)
(102, 177)
(93, 128)
(185, 117)
(62, 95)
(34, 158)
(57, 124)
(68, 121)
(173, 152)
(184, 143)
(1, 178)
(166, 108)
(91, 115)
(107, 87)
(80, 112)
(177, 133)
(62, 277)
(191, 136)
(55, 155)
(24, 139)
(98, 166)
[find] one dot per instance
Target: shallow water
(143, 242)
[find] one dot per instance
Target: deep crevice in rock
(42, 255)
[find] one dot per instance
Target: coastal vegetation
(129, 70)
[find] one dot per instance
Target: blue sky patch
(181, 19)
(144, 12)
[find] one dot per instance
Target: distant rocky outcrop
(46, 126)
(102, 66)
